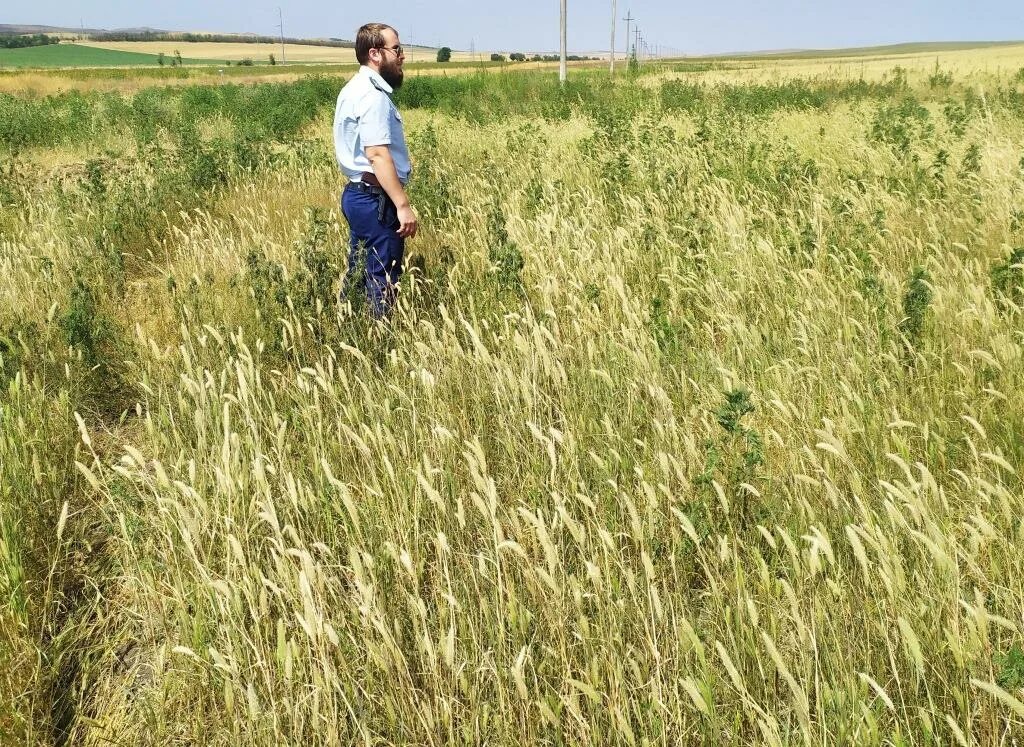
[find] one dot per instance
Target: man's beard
(392, 74)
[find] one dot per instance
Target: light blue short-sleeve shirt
(366, 116)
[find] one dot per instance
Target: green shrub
(666, 332)
(1010, 668)
(940, 79)
(312, 286)
(735, 456)
(431, 190)
(507, 261)
(957, 116)
(971, 164)
(1008, 279)
(901, 125)
(916, 302)
(84, 327)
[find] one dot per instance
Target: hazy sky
(532, 25)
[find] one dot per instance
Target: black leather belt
(369, 179)
(364, 187)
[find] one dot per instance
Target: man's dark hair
(370, 36)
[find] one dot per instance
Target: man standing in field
(372, 154)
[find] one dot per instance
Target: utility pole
(627, 19)
(615, 20)
(562, 73)
(636, 43)
(280, 27)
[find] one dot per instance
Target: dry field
(36, 83)
(997, 63)
(699, 422)
(260, 52)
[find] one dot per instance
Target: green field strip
(74, 55)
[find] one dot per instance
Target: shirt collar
(377, 80)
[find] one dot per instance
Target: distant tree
(495, 57)
(537, 58)
(517, 57)
(160, 59)
(273, 60)
(247, 62)
(177, 57)
(444, 54)
(20, 41)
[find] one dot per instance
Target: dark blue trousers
(375, 248)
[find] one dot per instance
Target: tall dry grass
(664, 445)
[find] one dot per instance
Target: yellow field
(45, 83)
(994, 61)
(259, 52)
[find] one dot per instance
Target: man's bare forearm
(387, 175)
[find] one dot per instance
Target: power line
(280, 27)
(628, 19)
(615, 20)
(562, 73)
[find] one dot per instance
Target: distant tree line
(22, 41)
(556, 58)
(140, 36)
(520, 57)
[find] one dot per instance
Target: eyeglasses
(397, 49)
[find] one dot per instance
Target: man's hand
(407, 220)
(384, 169)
